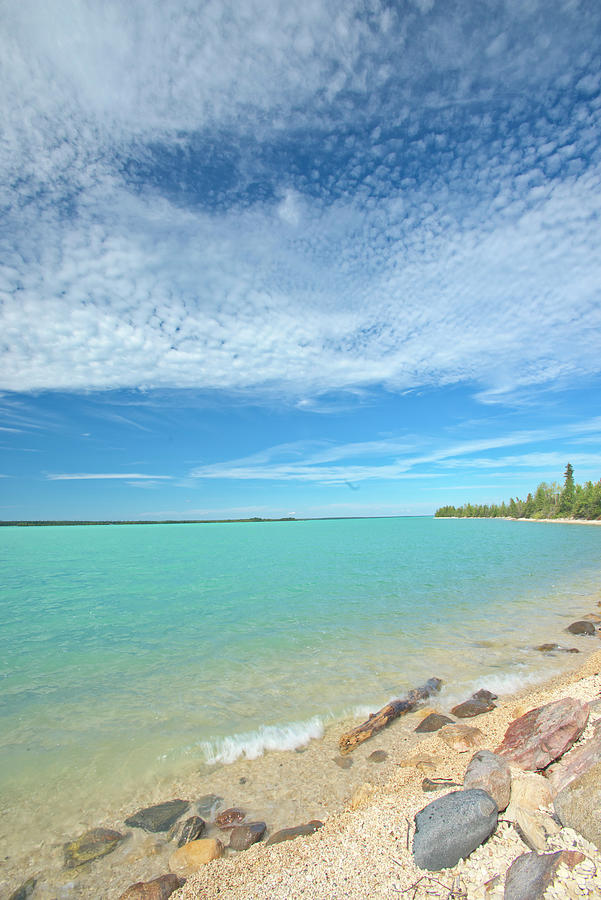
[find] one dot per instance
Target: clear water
(128, 653)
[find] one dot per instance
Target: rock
(150, 846)
(343, 762)
(230, 817)
(92, 845)
(578, 805)
(581, 627)
(437, 784)
(423, 761)
(288, 834)
(551, 648)
(485, 696)
(461, 737)
(158, 889)
(535, 827)
(491, 773)
(576, 763)
(529, 876)
(207, 805)
(472, 707)
(25, 891)
(191, 857)
(451, 827)
(243, 836)
(159, 817)
(186, 831)
(378, 756)
(432, 723)
(543, 734)
(529, 792)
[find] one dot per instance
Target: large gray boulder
(451, 827)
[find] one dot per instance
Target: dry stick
(377, 721)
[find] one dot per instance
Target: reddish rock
(577, 763)
(531, 874)
(244, 836)
(230, 817)
(288, 834)
(158, 889)
(544, 734)
(490, 773)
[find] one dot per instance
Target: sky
(321, 259)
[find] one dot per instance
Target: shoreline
(244, 782)
(363, 851)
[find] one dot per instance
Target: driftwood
(394, 709)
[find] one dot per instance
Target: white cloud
(457, 242)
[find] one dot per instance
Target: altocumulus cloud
(292, 199)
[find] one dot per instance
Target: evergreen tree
(568, 494)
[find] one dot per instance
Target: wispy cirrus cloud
(110, 476)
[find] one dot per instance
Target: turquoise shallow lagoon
(129, 654)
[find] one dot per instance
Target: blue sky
(262, 258)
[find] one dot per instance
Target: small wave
(268, 737)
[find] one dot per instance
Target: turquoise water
(128, 652)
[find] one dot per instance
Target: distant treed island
(549, 501)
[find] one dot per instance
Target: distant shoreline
(524, 519)
(32, 523)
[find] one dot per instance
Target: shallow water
(133, 659)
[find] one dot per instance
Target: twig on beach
(454, 892)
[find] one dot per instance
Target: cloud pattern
(285, 201)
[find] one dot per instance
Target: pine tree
(568, 494)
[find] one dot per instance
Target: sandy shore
(364, 851)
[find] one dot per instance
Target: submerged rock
(244, 836)
(288, 834)
(491, 773)
(230, 817)
(25, 891)
(207, 805)
(544, 734)
(159, 888)
(343, 762)
(451, 827)
(432, 722)
(159, 817)
(556, 648)
(378, 756)
(531, 874)
(581, 627)
(186, 831)
(191, 857)
(92, 845)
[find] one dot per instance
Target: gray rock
(472, 707)
(581, 627)
(491, 773)
(186, 831)
(451, 827)
(485, 696)
(25, 891)
(432, 722)
(288, 834)
(92, 845)
(529, 876)
(578, 805)
(244, 836)
(159, 817)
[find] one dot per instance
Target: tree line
(549, 501)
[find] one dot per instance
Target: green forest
(549, 501)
